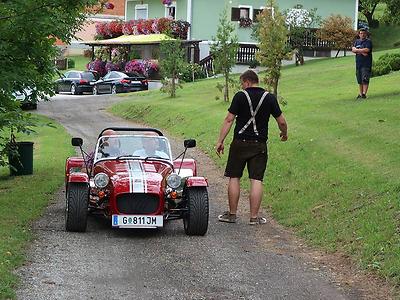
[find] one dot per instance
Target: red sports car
(133, 181)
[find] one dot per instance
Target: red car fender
(188, 163)
(196, 181)
(73, 162)
(78, 177)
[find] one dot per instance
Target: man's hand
(219, 149)
(283, 136)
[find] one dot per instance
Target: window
(141, 11)
(258, 11)
(170, 11)
(241, 12)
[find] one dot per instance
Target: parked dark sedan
(116, 82)
(76, 82)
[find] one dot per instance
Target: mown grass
(23, 198)
(80, 62)
(336, 182)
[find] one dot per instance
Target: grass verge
(336, 181)
(23, 198)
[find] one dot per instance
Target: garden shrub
(386, 64)
(190, 70)
(70, 63)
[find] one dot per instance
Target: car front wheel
(195, 220)
(73, 90)
(77, 207)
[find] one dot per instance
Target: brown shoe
(257, 221)
(227, 217)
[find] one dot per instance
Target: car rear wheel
(73, 89)
(195, 220)
(113, 89)
(95, 90)
(77, 207)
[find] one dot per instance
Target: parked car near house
(76, 82)
(135, 183)
(116, 82)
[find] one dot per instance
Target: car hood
(135, 176)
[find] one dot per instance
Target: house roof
(142, 39)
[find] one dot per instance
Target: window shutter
(235, 15)
(255, 13)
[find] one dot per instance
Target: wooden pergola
(192, 46)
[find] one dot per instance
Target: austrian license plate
(137, 221)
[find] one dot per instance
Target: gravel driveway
(233, 261)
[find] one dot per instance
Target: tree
(367, 8)
(272, 35)
(224, 51)
(28, 30)
(300, 21)
(339, 30)
(172, 63)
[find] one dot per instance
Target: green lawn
(336, 182)
(80, 62)
(23, 198)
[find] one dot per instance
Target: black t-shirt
(361, 60)
(240, 108)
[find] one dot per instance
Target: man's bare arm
(281, 121)
(225, 128)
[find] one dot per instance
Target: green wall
(205, 13)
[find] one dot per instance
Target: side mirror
(189, 143)
(77, 142)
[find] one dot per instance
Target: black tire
(74, 89)
(77, 207)
(195, 220)
(113, 89)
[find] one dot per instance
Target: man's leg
(256, 191)
(365, 89)
(361, 88)
(233, 194)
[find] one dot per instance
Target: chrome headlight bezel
(174, 180)
(101, 180)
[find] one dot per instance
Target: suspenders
(252, 112)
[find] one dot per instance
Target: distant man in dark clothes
(251, 108)
(363, 49)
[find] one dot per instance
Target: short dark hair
(363, 30)
(250, 76)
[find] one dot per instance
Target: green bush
(191, 70)
(71, 63)
(386, 64)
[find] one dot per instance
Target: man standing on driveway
(251, 108)
(363, 50)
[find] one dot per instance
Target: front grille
(137, 203)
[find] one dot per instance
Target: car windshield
(139, 146)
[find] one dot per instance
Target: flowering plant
(134, 66)
(245, 22)
(110, 66)
(178, 28)
(97, 66)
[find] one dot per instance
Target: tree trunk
(275, 87)
(226, 90)
(173, 85)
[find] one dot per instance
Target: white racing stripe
(137, 177)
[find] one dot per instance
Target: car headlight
(174, 180)
(101, 180)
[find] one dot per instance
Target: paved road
(233, 261)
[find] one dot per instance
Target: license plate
(137, 221)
